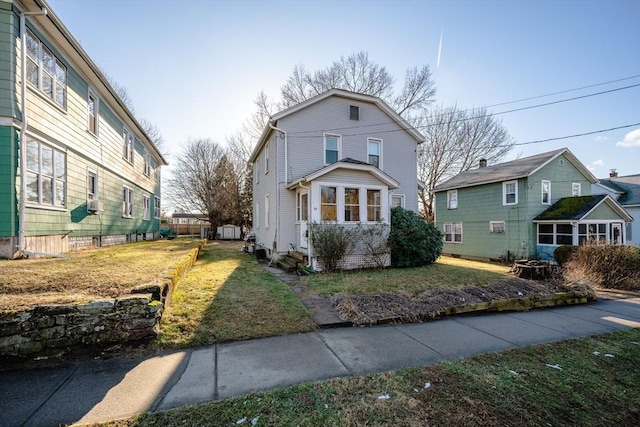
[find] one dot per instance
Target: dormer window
(354, 112)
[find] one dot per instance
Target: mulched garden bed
(370, 309)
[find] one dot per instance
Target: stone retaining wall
(54, 330)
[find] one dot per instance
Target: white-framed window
(256, 221)
(576, 189)
(256, 169)
(352, 204)
(156, 207)
(45, 71)
(93, 108)
(374, 206)
(546, 192)
(397, 200)
(92, 185)
(266, 158)
(510, 193)
(147, 163)
(302, 206)
(127, 202)
(374, 152)
(594, 232)
(332, 147)
(267, 211)
(146, 207)
(46, 177)
(555, 234)
(453, 232)
(452, 199)
(496, 226)
(128, 145)
(354, 112)
(328, 203)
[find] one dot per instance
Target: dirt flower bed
(368, 309)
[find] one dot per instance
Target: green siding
(9, 33)
(602, 212)
(479, 205)
(8, 169)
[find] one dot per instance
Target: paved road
(101, 390)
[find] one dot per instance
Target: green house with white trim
(76, 168)
(524, 209)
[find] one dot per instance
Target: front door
(303, 215)
(616, 233)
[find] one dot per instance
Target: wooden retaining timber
(519, 304)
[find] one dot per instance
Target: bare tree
(202, 181)
(358, 73)
(455, 141)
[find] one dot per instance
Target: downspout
(23, 127)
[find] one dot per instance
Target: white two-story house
(339, 157)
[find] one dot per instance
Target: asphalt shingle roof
(628, 185)
(497, 173)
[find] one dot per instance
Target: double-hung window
(92, 185)
(267, 211)
(128, 145)
(156, 208)
(331, 148)
(93, 105)
(256, 220)
(374, 206)
(328, 203)
(576, 189)
(510, 193)
(397, 200)
(546, 192)
(46, 176)
(127, 202)
(147, 163)
(352, 204)
(452, 199)
(146, 208)
(45, 71)
(453, 232)
(374, 152)
(266, 159)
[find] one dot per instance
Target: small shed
(229, 232)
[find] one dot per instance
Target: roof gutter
(23, 127)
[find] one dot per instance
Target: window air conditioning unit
(95, 206)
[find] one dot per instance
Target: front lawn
(588, 382)
(228, 296)
(447, 272)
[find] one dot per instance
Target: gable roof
(577, 207)
(348, 164)
(393, 115)
(515, 169)
(627, 186)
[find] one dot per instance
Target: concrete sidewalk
(101, 390)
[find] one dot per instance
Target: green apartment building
(76, 168)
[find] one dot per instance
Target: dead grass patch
(88, 274)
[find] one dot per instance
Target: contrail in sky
(440, 48)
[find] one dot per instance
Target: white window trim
(576, 186)
(504, 193)
(127, 205)
(449, 204)
(267, 211)
(55, 83)
(146, 207)
(554, 233)
(493, 224)
(96, 113)
(324, 147)
(147, 163)
(55, 148)
(96, 194)
(401, 197)
(315, 199)
(542, 183)
(128, 147)
(266, 158)
(453, 233)
(344, 202)
(379, 141)
(156, 207)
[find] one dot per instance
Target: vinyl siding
(66, 129)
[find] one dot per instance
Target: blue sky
(194, 67)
